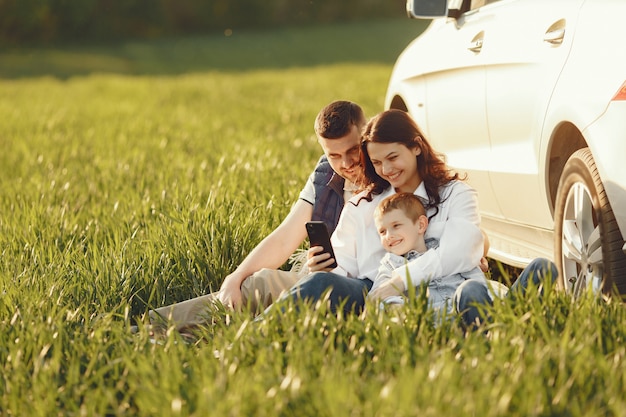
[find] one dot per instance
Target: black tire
(588, 243)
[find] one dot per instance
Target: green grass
(138, 174)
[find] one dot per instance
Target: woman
(396, 157)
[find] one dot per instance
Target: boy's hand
(393, 287)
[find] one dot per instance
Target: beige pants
(258, 291)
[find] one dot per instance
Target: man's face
(344, 154)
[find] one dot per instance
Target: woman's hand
(484, 265)
(321, 262)
(392, 287)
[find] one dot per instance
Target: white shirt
(456, 225)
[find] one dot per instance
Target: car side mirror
(427, 9)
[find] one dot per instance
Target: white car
(528, 97)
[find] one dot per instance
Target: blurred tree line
(48, 21)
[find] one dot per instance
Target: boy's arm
(272, 252)
(384, 271)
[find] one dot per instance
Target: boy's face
(344, 154)
(398, 234)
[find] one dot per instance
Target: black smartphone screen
(319, 236)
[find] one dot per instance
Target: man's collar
(349, 186)
(336, 182)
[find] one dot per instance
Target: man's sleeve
(308, 192)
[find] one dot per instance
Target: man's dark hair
(336, 119)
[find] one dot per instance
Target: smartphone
(319, 236)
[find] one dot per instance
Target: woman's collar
(420, 191)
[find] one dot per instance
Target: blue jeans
(472, 294)
(350, 292)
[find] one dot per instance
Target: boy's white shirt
(456, 226)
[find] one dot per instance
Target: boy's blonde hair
(409, 203)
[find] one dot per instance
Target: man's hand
(321, 262)
(230, 292)
(391, 288)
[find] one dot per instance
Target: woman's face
(397, 164)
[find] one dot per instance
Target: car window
(480, 3)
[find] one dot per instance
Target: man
(256, 282)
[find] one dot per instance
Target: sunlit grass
(125, 189)
(159, 179)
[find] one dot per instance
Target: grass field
(139, 174)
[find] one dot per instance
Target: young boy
(401, 223)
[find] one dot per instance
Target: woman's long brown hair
(397, 126)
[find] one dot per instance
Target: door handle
(555, 33)
(555, 37)
(477, 43)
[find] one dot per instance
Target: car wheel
(588, 242)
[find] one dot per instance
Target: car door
(524, 51)
(454, 75)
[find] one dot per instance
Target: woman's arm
(344, 241)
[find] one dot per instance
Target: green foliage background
(79, 20)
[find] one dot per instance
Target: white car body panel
(495, 111)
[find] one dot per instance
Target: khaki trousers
(258, 292)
